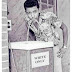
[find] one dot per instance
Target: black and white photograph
(38, 35)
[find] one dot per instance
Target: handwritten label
(40, 59)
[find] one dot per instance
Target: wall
(63, 11)
(4, 40)
(16, 15)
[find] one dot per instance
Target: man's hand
(32, 21)
(33, 25)
(61, 52)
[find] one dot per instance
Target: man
(32, 11)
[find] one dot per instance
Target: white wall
(63, 11)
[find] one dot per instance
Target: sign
(40, 59)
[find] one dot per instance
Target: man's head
(32, 8)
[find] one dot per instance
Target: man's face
(32, 12)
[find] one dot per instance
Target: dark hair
(31, 3)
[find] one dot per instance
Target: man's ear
(26, 17)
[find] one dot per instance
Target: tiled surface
(5, 70)
(45, 1)
(4, 35)
(5, 57)
(4, 21)
(5, 50)
(51, 2)
(44, 7)
(5, 64)
(4, 28)
(4, 1)
(4, 43)
(4, 13)
(4, 6)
